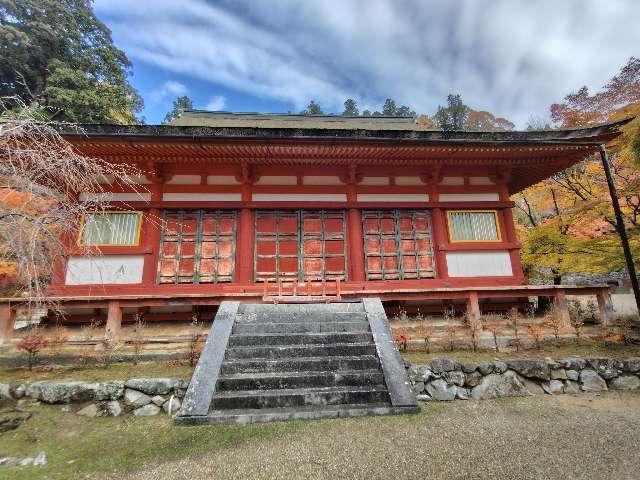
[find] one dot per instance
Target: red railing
(293, 291)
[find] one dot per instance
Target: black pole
(620, 226)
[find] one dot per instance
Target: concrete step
(288, 351)
(304, 327)
(289, 380)
(259, 415)
(247, 340)
(299, 317)
(304, 364)
(301, 307)
(298, 397)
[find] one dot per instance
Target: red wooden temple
(257, 207)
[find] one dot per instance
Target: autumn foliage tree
(41, 178)
(566, 222)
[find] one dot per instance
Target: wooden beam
(7, 322)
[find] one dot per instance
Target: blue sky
(511, 57)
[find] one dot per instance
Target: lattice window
(197, 246)
(111, 228)
(473, 226)
(305, 245)
(397, 244)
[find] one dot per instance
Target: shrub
(493, 325)
(536, 333)
(32, 344)
(474, 325)
(196, 341)
(426, 333)
(138, 339)
(514, 320)
(401, 338)
(553, 321)
(56, 340)
(452, 334)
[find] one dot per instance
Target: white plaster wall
(185, 180)
(115, 197)
(469, 197)
(393, 197)
(479, 264)
(452, 181)
(301, 197)
(480, 181)
(321, 180)
(408, 181)
(374, 181)
(278, 180)
(205, 197)
(222, 180)
(110, 269)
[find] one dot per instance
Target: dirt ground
(563, 437)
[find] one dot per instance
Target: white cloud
(217, 103)
(511, 57)
(171, 87)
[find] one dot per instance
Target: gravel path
(564, 437)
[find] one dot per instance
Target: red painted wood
(441, 242)
(7, 321)
(355, 258)
(245, 246)
(150, 240)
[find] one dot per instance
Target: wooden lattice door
(397, 244)
(197, 246)
(303, 245)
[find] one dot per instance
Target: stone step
(301, 307)
(246, 340)
(299, 317)
(289, 380)
(304, 364)
(288, 351)
(317, 397)
(304, 327)
(259, 415)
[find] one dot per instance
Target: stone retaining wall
(444, 379)
(139, 396)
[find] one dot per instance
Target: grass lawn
(582, 436)
(76, 446)
(92, 373)
(417, 354)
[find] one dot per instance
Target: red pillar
(7, 321)
(606, 309)
(114, 321)
(440, 240)
(356, 248)
(245, 237)
(512, 237)
(473, 306)
(562, 309)
(245, 246)
(151, 241)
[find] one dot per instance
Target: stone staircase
(266, 362)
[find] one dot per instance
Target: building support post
(620, 226)
(7, 322)
(473, 306)
(114, 321)
(152, 245)
(245, 249)
(356, 249)
(561, 306)
(605, 306)
(439, 234)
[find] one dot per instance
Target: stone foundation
(444, 379)
(139, 396)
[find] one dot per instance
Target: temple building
(269, 207)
